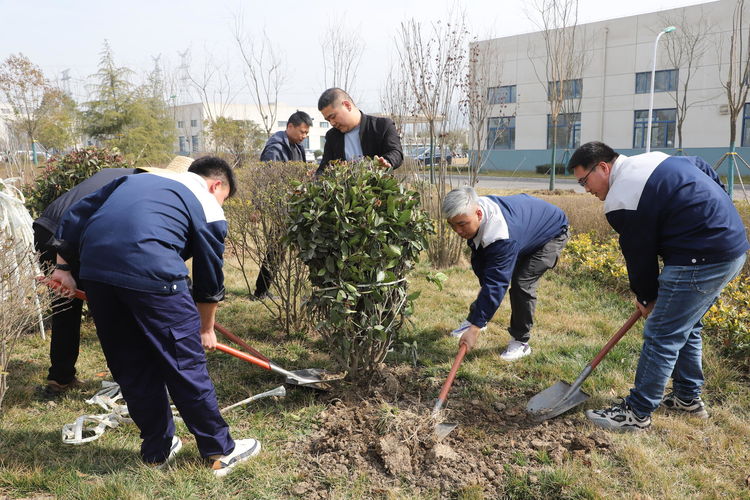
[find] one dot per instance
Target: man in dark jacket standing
(286, 145)
(514, 240)
(355, 134)
(674, 208)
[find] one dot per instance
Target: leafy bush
(257, 218)
(602, 261)
(64, 172)
(360, 232)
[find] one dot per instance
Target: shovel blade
(442, 430)
(312, 377)
(552, 401)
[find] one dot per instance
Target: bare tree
(433, 61)
(396, 101)
(685, 49)
(213, 86)
(24, 85)
(264, 72)
(481, 99)
(736, 79)
(564, 62)
(342, 53)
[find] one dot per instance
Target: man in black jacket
(355, 134)
(286, 145)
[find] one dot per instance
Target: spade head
(313, 377)
(554, 401)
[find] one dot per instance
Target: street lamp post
(668, 29)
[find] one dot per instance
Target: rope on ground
(89, 428)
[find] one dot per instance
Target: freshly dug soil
(388, 436)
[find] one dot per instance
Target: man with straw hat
(66, 313)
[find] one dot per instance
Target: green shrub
(64, 172)
(360, 232)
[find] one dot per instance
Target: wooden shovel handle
(234, 338)
(452, 374)
(243, 356)
(616, 338)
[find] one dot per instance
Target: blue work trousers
(152, 344)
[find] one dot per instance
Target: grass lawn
(303, 457)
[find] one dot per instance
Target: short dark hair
(213, 167)
(591, 154)
(331, 96)
(300, 117)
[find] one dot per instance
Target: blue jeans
(672, 344)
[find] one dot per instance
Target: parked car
(423, 156)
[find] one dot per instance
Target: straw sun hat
(178, 165)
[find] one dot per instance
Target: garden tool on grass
(563, 396)
(279, 391)
(444, 428)
(309, 377)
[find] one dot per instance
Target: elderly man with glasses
(674, 208)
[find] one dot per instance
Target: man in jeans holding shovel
(514, 240)
(676, 208)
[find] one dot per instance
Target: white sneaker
(243, 450)
(173, 450)
(465, 324)
(515, 350)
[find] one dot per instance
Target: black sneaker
(262, 296)
(693, 408)
(619, 417)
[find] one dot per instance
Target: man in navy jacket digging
(131, 238)
(514, 240)
(674, 208)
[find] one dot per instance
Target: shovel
(563, 396)
(310, 377)
(445, 428)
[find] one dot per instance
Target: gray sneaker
(243, 450)
(174, 449)
(694, 408)
(619, 417)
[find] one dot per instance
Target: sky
(60, 35)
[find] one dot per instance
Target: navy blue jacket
(278, 148)
(512, 226)
(54, 212)
(137, 232)
(673, 207)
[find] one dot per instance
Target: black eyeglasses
(582, 181)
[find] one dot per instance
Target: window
(324, 124)
(180, 124)
(183, 144)
(194, 141)
(568, 131)
(306, 143)
(322, 143)
(501, 95)
(282, 123)
(572, 89)
(662, 128)
(746, 125)
(664, 81)
(501, 132)
(194, 123)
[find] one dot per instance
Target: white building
(614, 90)
(190, 122)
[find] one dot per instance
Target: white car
(310, 156)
